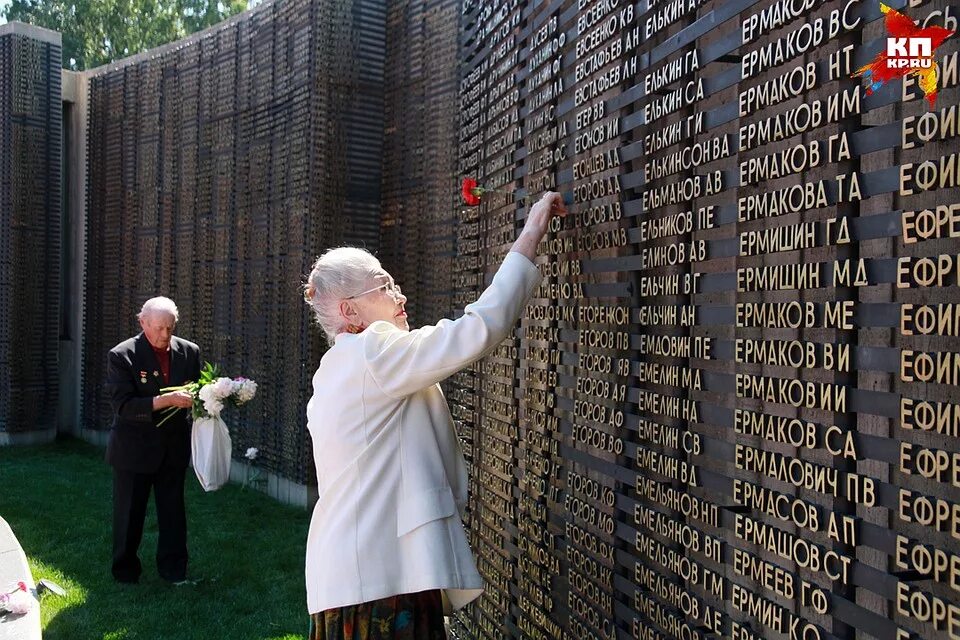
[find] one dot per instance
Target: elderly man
(146, 456)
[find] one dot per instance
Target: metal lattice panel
(218, 170)
(30, 123)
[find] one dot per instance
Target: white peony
(207, 393)
(246, 390)
(251, 453)
(213, 406)
(223, 387)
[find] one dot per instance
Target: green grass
(248, 549)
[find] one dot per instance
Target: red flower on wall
(471, 192)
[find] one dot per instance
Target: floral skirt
(412, 616)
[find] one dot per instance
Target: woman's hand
(538, 221)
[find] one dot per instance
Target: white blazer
(390, 472)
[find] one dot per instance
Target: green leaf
(208, 374)
(97, 32)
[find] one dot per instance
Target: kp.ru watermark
(909, 53)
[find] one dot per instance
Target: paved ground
(13, 568)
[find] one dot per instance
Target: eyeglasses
(393, 289)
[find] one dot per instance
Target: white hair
(338, 274)
(158, 305)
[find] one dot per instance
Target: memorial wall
(731, 409)
(29, 230)
(420, 186)
(218, 168)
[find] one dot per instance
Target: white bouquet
(213, 391)
(216, 394)
(210, 438)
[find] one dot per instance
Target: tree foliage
(97, 32)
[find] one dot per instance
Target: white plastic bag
(211, 452)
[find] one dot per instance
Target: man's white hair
(158, 305)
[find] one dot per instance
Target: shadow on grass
(247, 548)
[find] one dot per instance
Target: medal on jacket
(156, 374)
(143, 377)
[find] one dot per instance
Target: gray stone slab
(13, 569)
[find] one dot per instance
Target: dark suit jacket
(136, 443)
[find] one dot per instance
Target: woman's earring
(354, 329)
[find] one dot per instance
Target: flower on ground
(17, 602)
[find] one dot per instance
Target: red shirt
(163, 359)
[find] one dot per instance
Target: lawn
(248, 549)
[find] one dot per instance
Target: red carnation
(471, 192)
(22, 586)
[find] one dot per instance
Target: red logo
(909, 51)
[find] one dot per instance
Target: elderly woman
(386, 545)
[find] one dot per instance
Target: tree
(97, 32)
